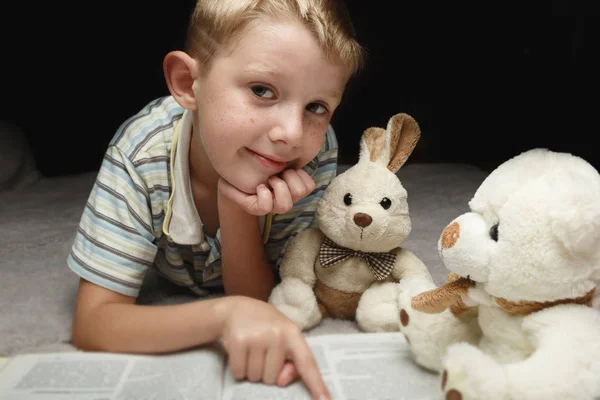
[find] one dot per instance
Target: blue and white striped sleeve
(114, 243)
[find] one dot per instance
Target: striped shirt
(140, 213)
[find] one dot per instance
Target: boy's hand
(276, 198)
(259, 340)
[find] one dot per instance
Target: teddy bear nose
(363, 220)
(450, 235)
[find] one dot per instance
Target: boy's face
(265, 106)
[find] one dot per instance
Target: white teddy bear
(348, 266)
(516, 320)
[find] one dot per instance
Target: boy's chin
(246, 181)
(247, 187)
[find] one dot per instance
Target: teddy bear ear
(372, 145)
(578, 229)
(575, 216)
(403, 134)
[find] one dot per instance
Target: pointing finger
(308, 370)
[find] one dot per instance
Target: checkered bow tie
(381, 264)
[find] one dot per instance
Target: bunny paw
(378, 308)
(297, 301)
(470, 374)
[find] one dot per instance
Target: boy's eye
(262, 91)
(316, 108)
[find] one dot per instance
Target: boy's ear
(180, 71)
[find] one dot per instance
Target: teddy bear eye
(385, 203)
(494, 232)
(348, 199)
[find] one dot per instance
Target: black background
(484, 83)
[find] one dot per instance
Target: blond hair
(216, 24)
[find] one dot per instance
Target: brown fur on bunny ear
(404, 135)
(446, 296)
(374, 139)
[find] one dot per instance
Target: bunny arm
(408, 264)
(301, 255)
(377, 309)
(564, 365)
(294, 295)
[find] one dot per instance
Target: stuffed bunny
(346, 268)
(516, 318)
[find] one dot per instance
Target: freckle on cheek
(317, 132)
(251, 120)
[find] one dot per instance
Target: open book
(373, 366)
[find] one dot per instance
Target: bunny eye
(385, 203)
(348, 199)
(494, 232)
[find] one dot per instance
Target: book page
(374, 366)
(192, 375)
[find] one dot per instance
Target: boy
(208, 184)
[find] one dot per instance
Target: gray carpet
(37, 290)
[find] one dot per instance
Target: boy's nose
(289, 130)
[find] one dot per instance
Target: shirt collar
(182, 223)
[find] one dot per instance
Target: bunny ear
(372, 145)
(404, 133)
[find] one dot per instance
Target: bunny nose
(450, 235)
(363, 220)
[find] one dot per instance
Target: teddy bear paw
(455, 384)
(425, 333)
(468, 373)
(297, 301)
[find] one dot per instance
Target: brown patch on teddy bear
(528, 307)
(447, 296)
(453, 394)
(335, 303)
(450, 235)
(404, 317)
(459, 307)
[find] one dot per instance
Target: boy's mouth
(268, 161)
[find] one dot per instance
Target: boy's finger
(309, 182)
(282, 201)
(238, 357)
(264, 203)
(260, 203)
(295, 184)
(274, 364)
(255, 364)
(308, 370)
(288, 374)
